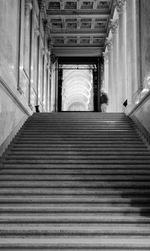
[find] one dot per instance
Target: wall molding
(142, 130)
(133, 109)
(20, 102)
(7, 141)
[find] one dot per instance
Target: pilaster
(122, 52)
(115, 62)
(106, 68)
(109, 49)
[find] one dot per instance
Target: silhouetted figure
(103, 101)
(125, 103)
(37, 108)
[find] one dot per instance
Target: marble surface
(9, 36)
(10, 115)
(143, 114)
(145, 39)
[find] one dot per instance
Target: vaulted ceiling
(77, 27)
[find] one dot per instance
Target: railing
(138, 98)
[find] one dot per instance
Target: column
(99, 83)
(106, 70)
(27, 44)
(53, 81)
(27, 30)
(121, 9)
(48, 82)
(115, 81)
(110, 73)
(36, 64)
(132, 44)
(24, 48)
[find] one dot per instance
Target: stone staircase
(76, 181)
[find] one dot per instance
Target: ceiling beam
(78, 14)
(78, 51)
(75, 46)
(79, 33)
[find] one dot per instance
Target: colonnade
(121, 75)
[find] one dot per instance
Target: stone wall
(145, 39)
(140, 106)
(24, 65)
(142, 113)
(12, 117)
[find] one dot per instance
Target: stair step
(63, 146)
(95, 230)
(79, 161)
(70, 208)
(72, 218)
(68, 133)
(77, 242)
(73, 177)
(97, 125)
(76, 182)
(76, 137)
(8, 248)
(69, 198)
(88, 166)
(80, 128)
(71, 157)
(78, 149)
(10, 170)
(75, 150)
(76, 191)
(79, 139)
(51, 144)
(76, 171)
(82, 184)
(68, 214)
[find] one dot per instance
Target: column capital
(108, 44)
(113, 25)
(119, 4)
(28, 6)
(42, 5)
(53, 58)
(106, 56)
(50, 44)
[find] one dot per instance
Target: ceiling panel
(77, 24)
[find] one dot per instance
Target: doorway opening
(77, 92)
(79, 83)
(77, 88)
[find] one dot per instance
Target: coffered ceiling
(77, 27)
